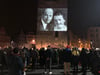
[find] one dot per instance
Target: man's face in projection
(48, 15)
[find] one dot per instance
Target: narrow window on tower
(56, 34)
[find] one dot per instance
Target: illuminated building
(43, 39)
(94, 36)
(4, 38)
(21, 40)
(55, 39)
(73, 39)
(25, 39)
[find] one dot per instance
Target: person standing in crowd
(2, 62)
(84, 60)
(75, 59)
(94, 61)
(55, 56)
(26, 55)
(15, 63)
(34, 55)
(42, 55)
(59, 22)
(45, 23)
(67, 60)
(60, 52)
(48, 59)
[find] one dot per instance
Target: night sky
(18, 14)
(21, 14)
(83, 14)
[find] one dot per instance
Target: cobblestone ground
(54, 72)
(39, 71)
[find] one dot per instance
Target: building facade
(55, 39)
(43, 39)
(52, 3)
(4, 38)
(94, 36)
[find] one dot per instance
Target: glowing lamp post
(91, 44)
(12, 43)
(33, 42)
(79, 41)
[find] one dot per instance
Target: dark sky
(18, 14)
(21, 14)
(83, 14)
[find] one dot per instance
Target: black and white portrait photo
(52, 19)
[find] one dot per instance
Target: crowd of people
(18, 60)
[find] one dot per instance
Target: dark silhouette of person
(15, 63)
(84, 60)
(67, 56)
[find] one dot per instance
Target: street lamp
(33, 44)
(79, 41)
(12, 44)
(33, 41)
(91, 44)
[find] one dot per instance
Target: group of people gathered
(18, 59)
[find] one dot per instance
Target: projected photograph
(52, 19)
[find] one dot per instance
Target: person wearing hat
(67, 56)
